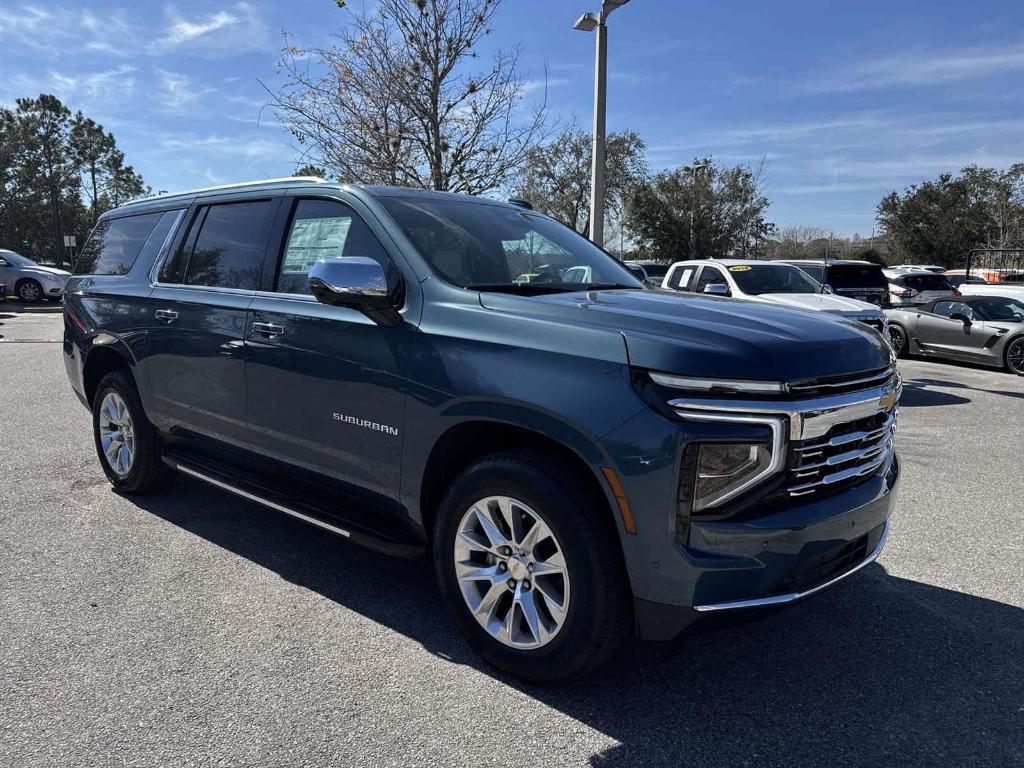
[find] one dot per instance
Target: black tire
(147, 472)
(1016, 346)
(29, 291)
(598, 615)
(897, 331)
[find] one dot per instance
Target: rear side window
(681, 278)
(856, 276)
(926, 282)
(228, 250)
(115, 244)
(323, 229)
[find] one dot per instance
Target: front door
(940, 333)
(325, 384)
(197, 318)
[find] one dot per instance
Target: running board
(406, 545)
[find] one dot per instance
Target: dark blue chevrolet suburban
(422, 372)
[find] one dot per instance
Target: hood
(822, 302)
(40, 270)
(709, 336)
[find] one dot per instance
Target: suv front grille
(848, 454)
(834, 385)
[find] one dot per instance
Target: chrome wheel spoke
(554, 603)
(534, 622)
(490, 530)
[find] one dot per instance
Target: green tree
(48, 157)
(311, 170)
(940, 220)
(707, 210)
(555, 176)
(92, 147)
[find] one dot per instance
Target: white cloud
(176, 93)
(221, 33)
(920, 69)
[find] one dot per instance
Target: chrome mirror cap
(357, 283)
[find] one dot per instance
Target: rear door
(325, 384)
(197, 319)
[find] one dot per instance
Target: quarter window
(115, 244)
(228, 251)
(681, 278)
(323, 229)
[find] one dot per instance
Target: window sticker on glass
(739, 268)
(313, 239)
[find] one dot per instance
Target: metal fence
(996, 265)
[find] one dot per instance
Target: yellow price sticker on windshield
(739, 268)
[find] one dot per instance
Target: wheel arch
(106, 354)
(472, 439)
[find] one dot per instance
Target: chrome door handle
(166, 315)
(267, 329)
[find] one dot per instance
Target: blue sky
(843, 101)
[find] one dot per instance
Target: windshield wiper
(529, 289)
(610, 287)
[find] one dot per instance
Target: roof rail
(237, 185)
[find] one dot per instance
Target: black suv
(579, 456)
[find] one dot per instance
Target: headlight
(725, 470)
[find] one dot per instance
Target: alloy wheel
(1015, 356)
(29, 292)
(896, 339)
(117, 434)
(512, 572)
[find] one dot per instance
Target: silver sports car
(977, 329)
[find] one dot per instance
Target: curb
(46, 309)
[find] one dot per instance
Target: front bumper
(818, 521)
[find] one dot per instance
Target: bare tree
(555, 176)
(394, 100)
(797, 242)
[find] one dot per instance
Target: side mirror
(3, 263)
(826, 288)
(717, 289)
(963, 318)
(356, 282)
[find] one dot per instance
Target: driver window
(709, 276)
(323, 229)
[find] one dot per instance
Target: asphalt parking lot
(193, 628)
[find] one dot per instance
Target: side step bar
(321, 519)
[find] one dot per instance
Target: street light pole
(693, 205)
(597, 161)
(595, 22)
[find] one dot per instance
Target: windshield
(999, 309)
(656, 270)
(856, 276)
(16, 259)
(493, 247)
(754, 279)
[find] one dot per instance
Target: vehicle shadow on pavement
(916, 394)
(879, 670)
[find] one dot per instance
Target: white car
(917, 286)
(768, 282)
(1006, 290)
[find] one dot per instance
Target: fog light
(725, 470)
